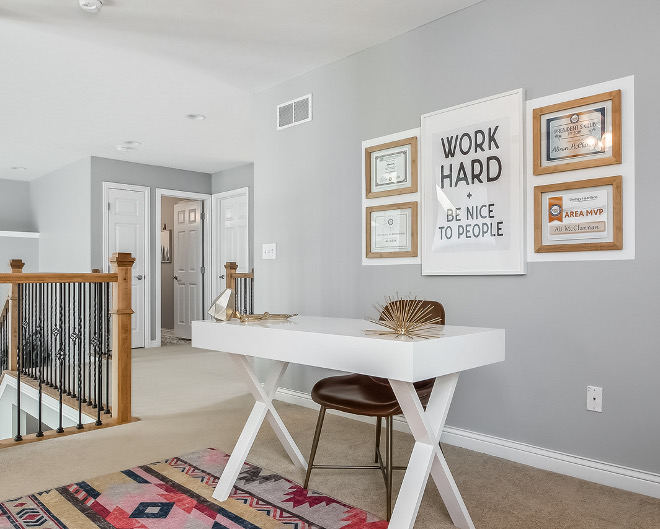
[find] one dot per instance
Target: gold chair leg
(388, 463)
(315, 444)
(379, 426)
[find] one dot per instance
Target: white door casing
(231, 238)
(187, 259)
(126, 232)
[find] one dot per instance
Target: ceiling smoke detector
(91, 6)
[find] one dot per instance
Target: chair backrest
(437, 310)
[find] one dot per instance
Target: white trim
(630, 479)
(147, 253)
(208, 209)
(218, 268)
(20, 234)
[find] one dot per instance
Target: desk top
(342, 344)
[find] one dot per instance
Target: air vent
(294, 112)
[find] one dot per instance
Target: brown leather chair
(373, 397)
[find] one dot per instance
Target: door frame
(147, 247)
(219, 268)
(208, 251)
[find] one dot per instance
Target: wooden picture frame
(378, 157)
(564, 150)
(376, 234)
(611, 219)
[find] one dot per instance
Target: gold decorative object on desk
(246, 318)
(405, 317)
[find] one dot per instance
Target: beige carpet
(189, 399)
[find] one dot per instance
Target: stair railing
(69, 337)
(243, 286)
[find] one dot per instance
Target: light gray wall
(152, 176)
(236, 178)
(61, 209)
(603, 333)
(15, 209)
(17, 248)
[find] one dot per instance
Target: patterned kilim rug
(176, 494)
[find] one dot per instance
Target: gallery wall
(236, 178)
(568, 324)
(61, 211)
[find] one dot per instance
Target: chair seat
(363, 395)
(357, 394)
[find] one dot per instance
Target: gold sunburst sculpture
(405, 317)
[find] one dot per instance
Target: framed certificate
(578, 216)
(391, 168)
(577, 134)
(391, 230)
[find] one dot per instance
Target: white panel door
(126, 233)
(187, 259)
(231, 242)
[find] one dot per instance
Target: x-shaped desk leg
(427, 458)
(263, 409)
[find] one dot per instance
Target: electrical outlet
(594, 398)
(269, 251)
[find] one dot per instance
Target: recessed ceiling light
(91, 6)
(196, 117)
(124, 148)
(18, 168)
(132, 143)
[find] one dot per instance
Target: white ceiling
(74, 84)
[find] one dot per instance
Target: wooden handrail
(58, 278)
(231, 275)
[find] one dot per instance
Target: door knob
(176, 277)
(222, 276)
(139, 278)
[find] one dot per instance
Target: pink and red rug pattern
(176, 494)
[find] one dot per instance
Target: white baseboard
(617, 476)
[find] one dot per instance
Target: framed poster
(578, 216)
(391, 168)
(577, 134)
(391, 230)
(166, 246)
(472, 176)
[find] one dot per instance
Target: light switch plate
(594, 398)
(269, 251)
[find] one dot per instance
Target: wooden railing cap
(122, 259)
(16, 265)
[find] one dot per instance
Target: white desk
(341, 344)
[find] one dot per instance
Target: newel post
(230, 269)
(16, 268)
(122, 264)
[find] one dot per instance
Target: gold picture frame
(391, 230)
(391, 168)
(577, 134)
(604, 229)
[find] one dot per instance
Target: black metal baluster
(244, 286)
(72, 351)
(99, 359)
(83, 330)
(60, 352)
(99, 290)
(21, 342)
(79, 306)
(106, 306)
(36, 297)
(67, 334)
(90, 400)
